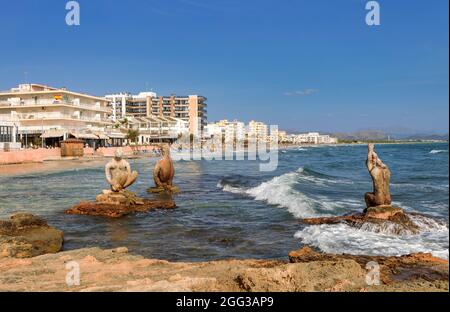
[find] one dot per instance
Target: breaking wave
(341, 238)
(438, 151)
(280, 191)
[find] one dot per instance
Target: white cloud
(301, 92)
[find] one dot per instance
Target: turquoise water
(229, 209)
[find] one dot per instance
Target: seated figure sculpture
(118, 172)
(119, 176)
(381, 195)
(163, 173)
(117, 201)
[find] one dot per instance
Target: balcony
(59, 116)
(41, 103)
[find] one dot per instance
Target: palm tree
(132, 135)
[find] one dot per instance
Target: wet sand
(50, 166)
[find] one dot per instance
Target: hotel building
(158, 129)
(190, 108)
(229, 131)
(45, 115)
(257, 130)
(314, 138)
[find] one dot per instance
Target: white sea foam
(341, 238)
(280, 191)
(438, 151)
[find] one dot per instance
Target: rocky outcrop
(116, 211)
(118, 204)
(117, 270)
(395, 218)
(25, 235)
(392, 269)
(162, 190)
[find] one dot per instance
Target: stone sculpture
(163, 173)
(381, 195)
(118, 172)
(118, 201)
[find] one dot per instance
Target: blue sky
(301, 64)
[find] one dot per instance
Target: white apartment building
(257, 130)
(230, 131)
(123, 104)
(46, 115)
(158, 129)
(314, 138)
(282, 136)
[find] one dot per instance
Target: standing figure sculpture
(164, 172)
(381, 195)
(118, 172)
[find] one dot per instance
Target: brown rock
(383, 212)
(379, 216)
(114, 210)
(117, 204)
(109, 270)
(340, 276)
(25, 235)
(392, 269)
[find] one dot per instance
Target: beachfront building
(127, 104)
(314, 138)
(45, 115)
(190, 108)
(257, 130)
(157, 129)
(8, 136)
(227, 131)
(282, 136)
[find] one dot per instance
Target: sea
(231, 209)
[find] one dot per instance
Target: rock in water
(117, 204)
(380, 218)
(25, 236)
(161, 190)
(385, 213)
(379, 215)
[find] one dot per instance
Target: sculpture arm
(156, 175)
(108, 174)
(127, 166)
(371, 160)
(379, 163)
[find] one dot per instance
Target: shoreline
(59, 164)
(303, 270)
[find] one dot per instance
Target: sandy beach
(58, 165)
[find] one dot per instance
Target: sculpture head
(370, 147)
(165, 150)
(118, 154)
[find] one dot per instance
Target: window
(5, 134)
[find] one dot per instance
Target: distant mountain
(362, 135)
(426, 137)
(394, 134)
